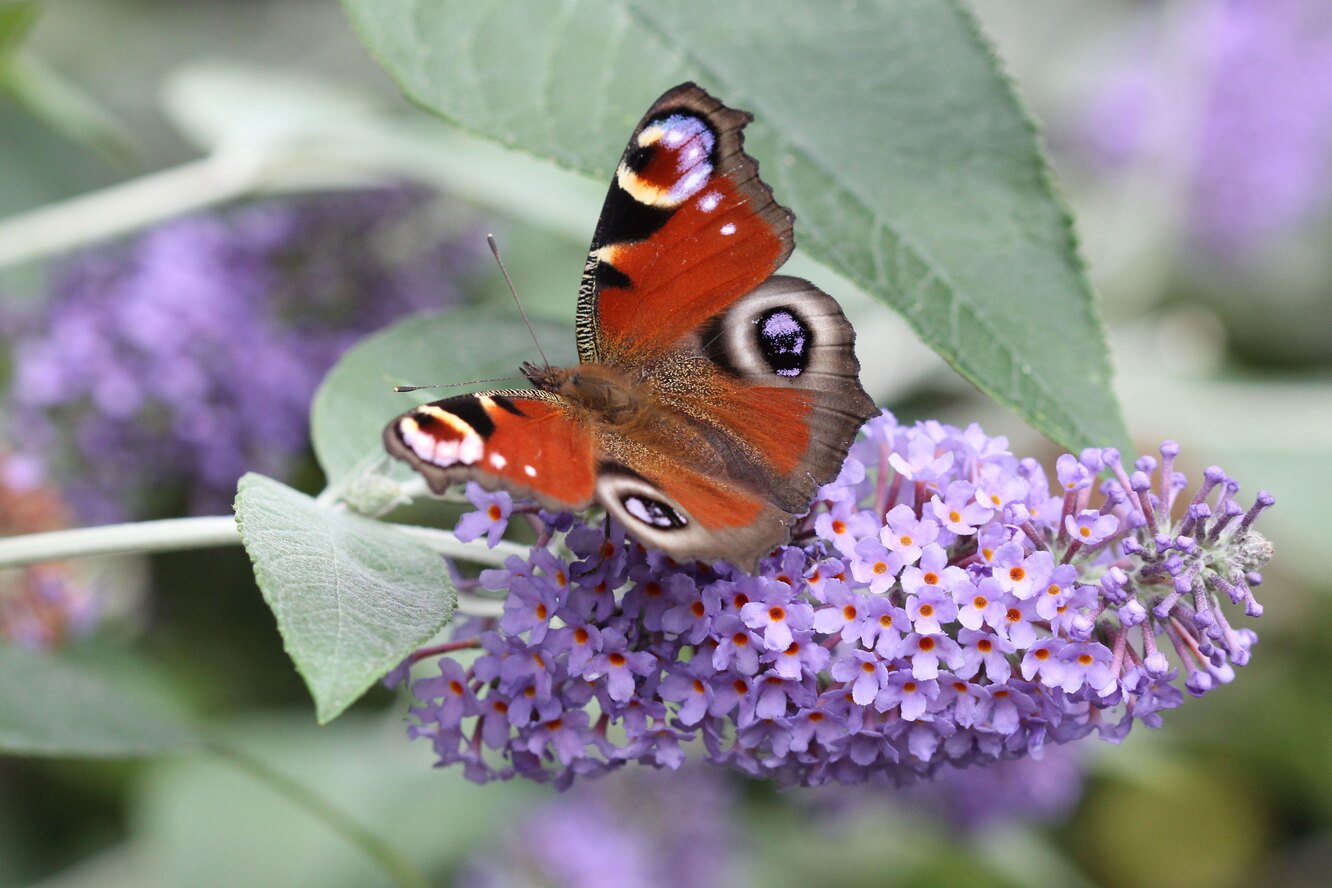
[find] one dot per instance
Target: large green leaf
(887, 126)
(16, 19)
(353, 597)
(52, 708)
(356, 399)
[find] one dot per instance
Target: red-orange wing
(687, 228)
(531, 443)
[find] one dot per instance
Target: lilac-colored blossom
(491, 517)
(1232, 98)
(161, 369)
(987, 646)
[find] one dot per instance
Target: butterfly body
(712, 396)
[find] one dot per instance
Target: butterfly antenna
(494, 248)
(443, 385)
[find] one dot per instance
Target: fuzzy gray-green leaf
(352, 597)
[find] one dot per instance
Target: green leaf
(16, 19)
(352, 597)
(192, 814)
(356, 399)
(887, 126)
(52, 708)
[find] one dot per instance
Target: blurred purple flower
(998, 644)
(637, 831)
(178, 361)
(42, 606)
(975, 799)
(1238, 97)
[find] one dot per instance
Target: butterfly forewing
(529, 442)
(687, 228)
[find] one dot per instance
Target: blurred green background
(1193, 141)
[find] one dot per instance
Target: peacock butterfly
(711, 398)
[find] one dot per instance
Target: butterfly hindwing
(794, 393)
(686, 513)
(531, 443)
(687, 228)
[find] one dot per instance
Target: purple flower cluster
(603, 836)
(172, 364)
(1239, 96)
(944, 603)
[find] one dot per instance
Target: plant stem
(402, 870)
(169, 535)
(125, 207)
(445, 543)
(175, 534)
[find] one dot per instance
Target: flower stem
(175, 534)
(398, 867)
(169, 535)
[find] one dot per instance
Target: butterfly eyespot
(783, 340)
(653, 513)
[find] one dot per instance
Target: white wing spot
(530, 470)
(709, 202)
(728, 228)
(498, 461)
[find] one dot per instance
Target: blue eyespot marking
(784, 339)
